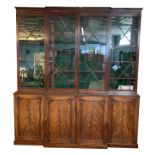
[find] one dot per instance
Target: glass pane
(123, 70)
(93, 41)
(31, 51)
(62, 52)
(123, 52)
(122, 84)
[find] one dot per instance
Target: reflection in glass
(31, 52)
(62, 52)
(123, 52)
(93, 40)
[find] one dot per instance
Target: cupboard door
(124, 120)
(61, 120)
(28, 119)
(92, 121)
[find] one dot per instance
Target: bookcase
(77, 72)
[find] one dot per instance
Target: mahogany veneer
(75, 117)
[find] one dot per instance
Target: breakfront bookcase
(77, 72)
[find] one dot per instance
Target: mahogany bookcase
(77, 77)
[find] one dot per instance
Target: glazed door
(77, 52)
(61, 120)
(124, 118)
(92, 121)
(31, 55)
(123, 53)
(61, 53)
(28, 119)
(92, 52)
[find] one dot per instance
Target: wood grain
(73, 117)
(28, 118)
(123, 117)
(92, 120)
(61, 119)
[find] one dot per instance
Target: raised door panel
(28, 119)
(124, 120)
(61, 120)
(92, 121)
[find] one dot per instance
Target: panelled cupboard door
(61, 120)
(124, 120)
(92, 121)
(28, 118)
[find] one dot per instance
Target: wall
(8, 78)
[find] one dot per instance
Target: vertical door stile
(137, 52)
(107, 69)
(46, 49)
(77, 42)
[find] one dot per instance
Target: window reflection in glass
(123, 52)
(31, 51)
